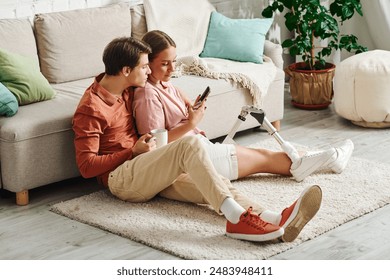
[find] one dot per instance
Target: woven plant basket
(311, 89)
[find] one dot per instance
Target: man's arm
(87, 136)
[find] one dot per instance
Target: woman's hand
(187, 102)
(196, 115)
(143, 145)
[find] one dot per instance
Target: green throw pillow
(8, 102)
(236, 39)
(22, 76)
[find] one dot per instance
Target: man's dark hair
(122, 52)
(158, 41)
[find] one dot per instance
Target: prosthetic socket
(259, 115)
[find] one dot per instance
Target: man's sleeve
(88, 130)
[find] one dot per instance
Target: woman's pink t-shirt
(156, 108)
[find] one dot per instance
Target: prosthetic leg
(259, 115)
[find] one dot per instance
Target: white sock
(271, 217)
(232, 210)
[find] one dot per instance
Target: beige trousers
(181, 170)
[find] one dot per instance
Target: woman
(161, 105)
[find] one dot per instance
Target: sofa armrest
(275, 52)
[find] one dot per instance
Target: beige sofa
(36, 145)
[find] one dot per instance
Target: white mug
(161, 135)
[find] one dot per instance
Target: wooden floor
(33, 232)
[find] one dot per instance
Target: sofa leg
(276, 124)
(22, 198)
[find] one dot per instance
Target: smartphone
(202, 97)
(204, 94)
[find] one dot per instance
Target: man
(108, 147)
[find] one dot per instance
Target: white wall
(377, 15)
(27, 8)
(358, 26)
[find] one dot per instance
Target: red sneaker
(295, 217)
(251, 227)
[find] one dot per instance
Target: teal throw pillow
(8, 102)
(22, 76)
(236, 39)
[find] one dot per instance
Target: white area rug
(196, 232)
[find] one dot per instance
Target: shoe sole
(307, 206)
(313, 168)
(257, 237)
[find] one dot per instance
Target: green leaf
(287, 3)
(287, 43)
(358, 6)
(280, 8)
(291, 21)
(304, 28)
(335, 9)
(347, 13)
(326, 51)
(314, 2)
(294, 51)
(268, 12)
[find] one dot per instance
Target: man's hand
(143, 145)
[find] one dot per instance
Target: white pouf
(362, 89)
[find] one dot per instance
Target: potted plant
(317, 34)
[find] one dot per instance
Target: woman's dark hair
(122, 52)
(158, 41)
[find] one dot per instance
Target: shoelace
(254, 220)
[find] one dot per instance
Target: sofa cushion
(138, 21)
(8, 102)
(47, 117)
(71, 43)
(17, 35)
(236, 39)
(22, 76)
